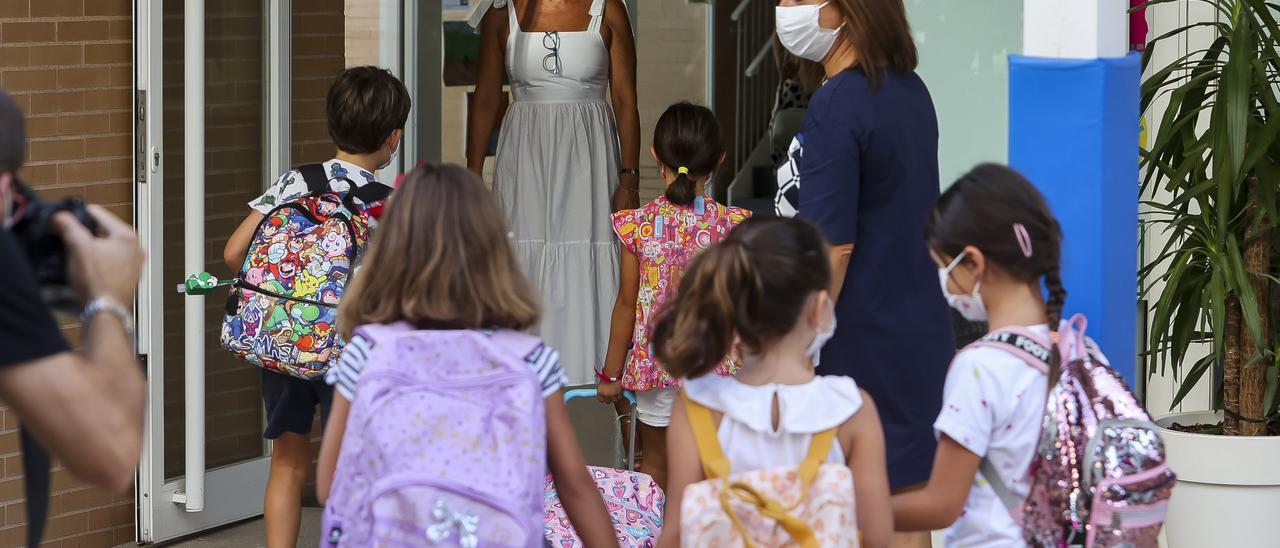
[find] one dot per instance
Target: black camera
(31, 223)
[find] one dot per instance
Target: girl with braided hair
(995, 242)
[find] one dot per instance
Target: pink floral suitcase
(635, 503)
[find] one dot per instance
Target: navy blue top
(868, 176)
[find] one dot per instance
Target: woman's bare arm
(488, 93)
(622, 86)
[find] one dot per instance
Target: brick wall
(67, 62)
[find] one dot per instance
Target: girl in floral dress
(658, 240)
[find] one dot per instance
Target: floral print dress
(664, 237)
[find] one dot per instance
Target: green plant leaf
(1243, 290)
(1191, 379)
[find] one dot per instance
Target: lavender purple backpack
(1099, 476)
(445, 443)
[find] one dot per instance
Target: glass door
(229, 94)
(202, 89)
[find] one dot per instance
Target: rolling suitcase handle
(631, 397)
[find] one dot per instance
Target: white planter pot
(1228, 488)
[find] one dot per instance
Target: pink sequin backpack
(445, 443)
(1099, 476)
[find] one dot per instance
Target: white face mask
(824, 334)
(801, 33)
(969, 306)
(390, 158)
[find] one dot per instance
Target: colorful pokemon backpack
(445, 443)
(283, 307)
(810, 505)
(1099, 476)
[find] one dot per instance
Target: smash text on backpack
(1099, 476)
(282, 312)
(810, 505)
(445, 443)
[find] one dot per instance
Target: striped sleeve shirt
(345, 376)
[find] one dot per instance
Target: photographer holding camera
(85, 406)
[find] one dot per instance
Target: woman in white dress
(568, 155)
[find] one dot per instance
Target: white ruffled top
(746, 432)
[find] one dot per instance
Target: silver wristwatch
(105, 304)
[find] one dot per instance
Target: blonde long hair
(440, 258)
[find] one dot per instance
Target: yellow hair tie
(683, 170)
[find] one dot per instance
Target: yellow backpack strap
(714, 463)
(716, 466)
(819, 448)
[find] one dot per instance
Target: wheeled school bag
(282, 310)
(634, 501)
(445, 443)
(809, 506)
(1099, 476)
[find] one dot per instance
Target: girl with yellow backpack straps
(777, 456)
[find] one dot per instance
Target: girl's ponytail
(750, 288)
(687, 140)
(699, 329)
(683, 190)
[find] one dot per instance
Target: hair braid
(1057, 297)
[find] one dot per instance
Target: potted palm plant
(1211, 180)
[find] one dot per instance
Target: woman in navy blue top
(864, 169)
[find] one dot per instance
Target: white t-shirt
(345, 375)
(291, 185)
(992, 405)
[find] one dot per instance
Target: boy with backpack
(294, 253)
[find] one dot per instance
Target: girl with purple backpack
(994, 240)
(446, 418)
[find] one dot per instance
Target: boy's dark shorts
(291, 403)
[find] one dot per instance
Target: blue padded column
(1073, 130)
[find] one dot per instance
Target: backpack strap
(1020, 342)
(1034, 352)
(369, 193)
(1012, 502)
(716, 466)
(318, 183)
(315, 177)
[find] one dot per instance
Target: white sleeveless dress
(557, 166)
